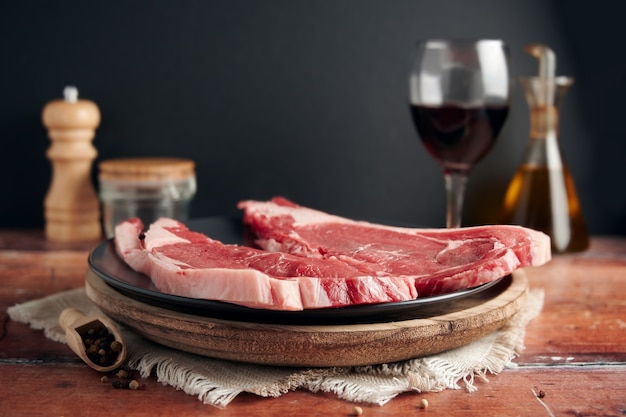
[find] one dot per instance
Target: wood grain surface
(575, 351)
(448, 325)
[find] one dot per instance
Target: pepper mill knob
(72, 208)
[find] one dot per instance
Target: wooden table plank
(77, 390)
(584, 316)
(575, 350)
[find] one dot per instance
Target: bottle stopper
(546, 57)
(547, 88)
(72, 208)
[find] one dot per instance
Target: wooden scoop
(94, 339)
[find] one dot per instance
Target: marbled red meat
(190, 264)
(311, 259)
(439, 260)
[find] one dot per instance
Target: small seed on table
(120, 383)
(423, 403)
(357, 411)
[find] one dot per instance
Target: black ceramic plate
(105, 263)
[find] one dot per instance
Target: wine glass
(460, 93)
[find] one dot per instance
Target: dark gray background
(306, 99)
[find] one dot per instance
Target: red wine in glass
(459, 92)
(458, 137)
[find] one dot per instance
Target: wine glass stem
(455, 189)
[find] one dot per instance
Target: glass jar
(147, 188)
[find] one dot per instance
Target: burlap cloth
(218, 382)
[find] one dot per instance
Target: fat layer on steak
(189, 264)
(311, 259)
(438, 260)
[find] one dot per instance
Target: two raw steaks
(310, 259)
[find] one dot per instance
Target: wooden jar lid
(146, 169)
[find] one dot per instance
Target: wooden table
(575, 350)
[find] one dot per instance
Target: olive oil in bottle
(546, 200)
(542, 194)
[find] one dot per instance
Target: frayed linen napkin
(218, 382)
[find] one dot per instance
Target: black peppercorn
(101, 346)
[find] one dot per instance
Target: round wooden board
(444, 327)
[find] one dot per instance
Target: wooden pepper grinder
(72, 208)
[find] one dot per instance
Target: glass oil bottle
(542, 194)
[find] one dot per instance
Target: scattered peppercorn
(541, 394)
(423, 403)
(357, 411)
(120, 383)
(123, 379)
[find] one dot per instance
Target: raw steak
(438, 260)
(190, 264)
